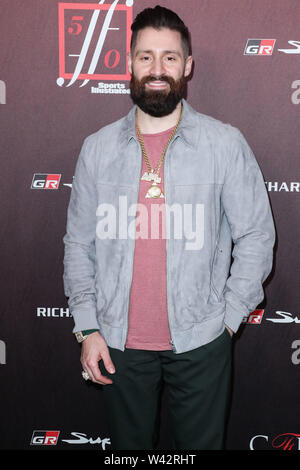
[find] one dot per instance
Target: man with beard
(155, 309)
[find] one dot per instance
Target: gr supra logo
(44, 438)
(295, 49)
(259, 47)
(50, 438)
(284, 317)
(255, 317)
(94, 40)
(45, 181)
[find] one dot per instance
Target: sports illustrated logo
(296, 354)
(295, 50)
(255, 317)
(286, 441)
(45, 181)
(2, 352)
(259, 47)
(53, 312)
(295, 98)
(94, 41)
(278, 186)
(2, 92)
(44, 438)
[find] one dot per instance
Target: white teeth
(158, 84)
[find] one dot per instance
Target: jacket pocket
(220, 272)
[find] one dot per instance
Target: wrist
(82, 335)
(88, 332)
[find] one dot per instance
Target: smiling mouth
(157, 84)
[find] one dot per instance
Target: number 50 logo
(94, 40)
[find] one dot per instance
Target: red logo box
(94, 41)
(45, 181)
(259, 47)
(255, 317)
(44, 438)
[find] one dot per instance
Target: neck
(152, 125)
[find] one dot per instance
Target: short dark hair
(157, 18)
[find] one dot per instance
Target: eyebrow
(149, 51)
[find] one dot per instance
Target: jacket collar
(186, 128)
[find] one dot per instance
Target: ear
(188, 66)
(129, 62)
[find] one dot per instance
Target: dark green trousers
(197, 384)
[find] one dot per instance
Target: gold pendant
(154, 192)
(151, 176)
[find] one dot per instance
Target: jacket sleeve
(79, 241)
(247, 208)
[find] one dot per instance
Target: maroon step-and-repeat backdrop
(63, 75)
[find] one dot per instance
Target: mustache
(160, 78)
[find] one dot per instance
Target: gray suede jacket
(219, 240)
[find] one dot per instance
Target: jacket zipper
(167, 257)
(217, 249)
(132, 259)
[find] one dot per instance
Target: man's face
(158, 70)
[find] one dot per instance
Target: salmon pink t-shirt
(148, 316)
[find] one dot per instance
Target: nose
(157, 67)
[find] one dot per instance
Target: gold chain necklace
(153, 173)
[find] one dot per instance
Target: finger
(86, 367)
(108, 364)
(96, 375)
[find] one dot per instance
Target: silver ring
(85, 375)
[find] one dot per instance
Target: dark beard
(157, 103)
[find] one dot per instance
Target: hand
(94, 349)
